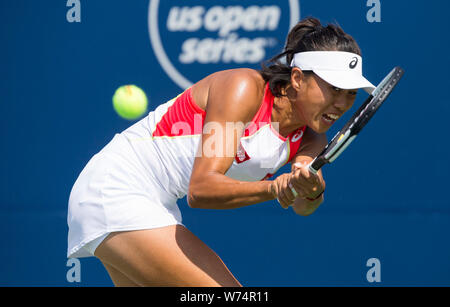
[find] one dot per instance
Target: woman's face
(319, 104)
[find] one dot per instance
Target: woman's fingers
(299, 183)
(303, 179)
(294, 192)
(285, 194)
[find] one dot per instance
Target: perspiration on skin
(244, 90)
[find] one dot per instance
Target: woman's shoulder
(239, 76)
(244, 82)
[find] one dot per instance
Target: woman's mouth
(329, 118)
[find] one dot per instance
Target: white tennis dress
(134, 182)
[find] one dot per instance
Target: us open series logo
(192, 39)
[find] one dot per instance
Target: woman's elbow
(192, 199)
(195, 197)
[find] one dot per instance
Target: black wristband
(318, 196)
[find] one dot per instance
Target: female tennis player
(218, 142)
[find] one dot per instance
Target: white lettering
(188, 48)
(269, 17)
(222, 33)
(374, 14)
(208, 51)
(197, 297)
(229, 49)
(374, 274)
(213, 18)
(223, 20)
(250, 22)
(231, 20)
(213, 144)
(74, 14)
(74, 273)
(185, 19)
(257, 51)
(181, 128)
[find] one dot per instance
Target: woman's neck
(284, 116)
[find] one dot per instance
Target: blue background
(386, 196)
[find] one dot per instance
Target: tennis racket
(354, 126)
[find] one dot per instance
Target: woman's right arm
(233, 100)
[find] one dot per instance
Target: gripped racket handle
(315, 165)
(311, 167)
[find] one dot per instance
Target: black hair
(308, 35)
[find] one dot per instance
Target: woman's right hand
(281, 190)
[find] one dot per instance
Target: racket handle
(315, 165)
(312, 169)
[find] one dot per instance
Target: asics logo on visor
(353, 63)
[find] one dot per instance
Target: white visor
(338, 68)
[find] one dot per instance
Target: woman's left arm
(309, 187)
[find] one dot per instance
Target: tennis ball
(130, 102)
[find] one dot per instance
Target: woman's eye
(338, 90)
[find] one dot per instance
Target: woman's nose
(342, 103)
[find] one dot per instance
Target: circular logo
(353, 63)
(297, 136)
(192, 41)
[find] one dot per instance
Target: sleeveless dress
(134, 182)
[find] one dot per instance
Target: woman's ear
(297, 77)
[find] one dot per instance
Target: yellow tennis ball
(130, 102)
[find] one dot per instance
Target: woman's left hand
(281, 191)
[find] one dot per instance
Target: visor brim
(345, 80)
